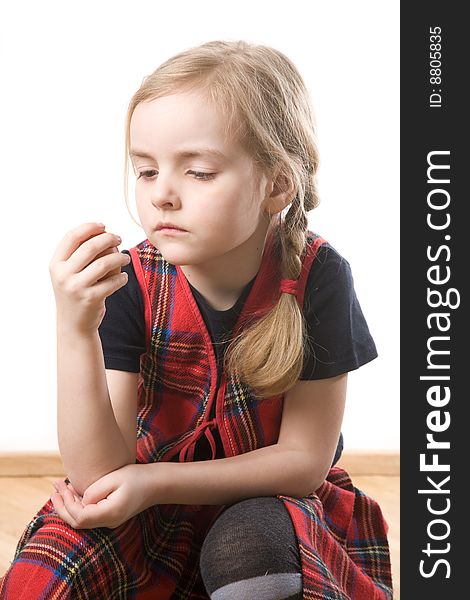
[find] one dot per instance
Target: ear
(281, 194)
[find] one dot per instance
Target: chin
(175, 257)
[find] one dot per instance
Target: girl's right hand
(85, 269)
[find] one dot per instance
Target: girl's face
(214, 197)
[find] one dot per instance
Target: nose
(163, 194)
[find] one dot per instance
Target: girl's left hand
(108, 502)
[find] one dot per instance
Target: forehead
(183, 120)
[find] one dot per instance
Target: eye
(145, 174)
(202, 176)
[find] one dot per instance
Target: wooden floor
(21, 498)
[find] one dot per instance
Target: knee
(244, 521)
(50, 555)
(257, 531)
(251, 552)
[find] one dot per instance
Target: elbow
(79, 482)
(311, 477)
(299, 485)
(82, 481)
(316, 484)
(307, 487)
(83, 478)
(319, 477)
(310, 487)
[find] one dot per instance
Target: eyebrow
(189, 153)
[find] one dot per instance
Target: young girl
(200, 406)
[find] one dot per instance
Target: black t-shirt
(337, 330)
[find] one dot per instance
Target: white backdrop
(67, 74)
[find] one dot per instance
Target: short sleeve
(122, 330)
(339, 339)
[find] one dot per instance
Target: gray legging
(251, 551)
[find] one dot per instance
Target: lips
(169, 226)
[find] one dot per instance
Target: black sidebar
(435, 252)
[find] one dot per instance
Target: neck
(221, 280)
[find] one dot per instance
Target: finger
(93, 248)
(108, 285)
(60, 486)
(82, 513)
(102, 269)
(99, 490)
(74, 492)
(74, 238)
(82, 517)
(89, 516)
(73, 506)
(124, 259)
(100, 263)
(61, 510)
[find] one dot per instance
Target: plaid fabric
(341, 536)
(137, 560)
(341, 533)
(179, 371)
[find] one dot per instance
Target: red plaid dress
(341, 533)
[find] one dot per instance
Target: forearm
(90, 441)
(267, 471)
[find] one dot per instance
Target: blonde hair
(268, 111)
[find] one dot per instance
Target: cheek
(237, 220)
(141, 201)
(222, 212)
(144, 215)
(242, 211)
(140, 210)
